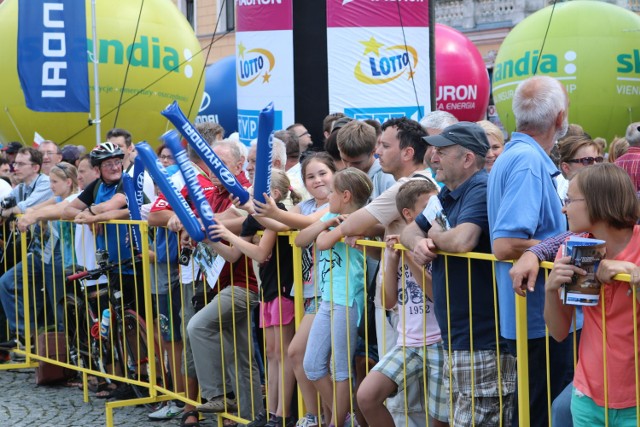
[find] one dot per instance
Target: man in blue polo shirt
(458, 159)
(524, 208)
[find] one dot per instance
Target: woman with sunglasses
(576, 152)
(602, 201)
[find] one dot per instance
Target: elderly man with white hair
(434, 123)
(524, 209)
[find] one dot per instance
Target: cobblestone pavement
(23, 403)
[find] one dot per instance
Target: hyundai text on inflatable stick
(177, 117)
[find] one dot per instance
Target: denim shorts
(332, 342)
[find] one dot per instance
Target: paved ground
(23, 403)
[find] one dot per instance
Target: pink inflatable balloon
(462, 81)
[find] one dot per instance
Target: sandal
(187, 415)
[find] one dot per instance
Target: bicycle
(126, 348)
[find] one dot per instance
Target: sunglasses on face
(587, 161)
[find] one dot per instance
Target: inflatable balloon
(165, 66)
(264, 153)
(172, 141)
(462, 81)
(592, 48)
(173, 196)
(177, 117)
(219, 103)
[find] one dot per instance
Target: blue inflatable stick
(177, 117)
(173, 196)
(172, 141)
(134, 208)
(264, 153)
(138, 180)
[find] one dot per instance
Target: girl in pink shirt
(602, 200)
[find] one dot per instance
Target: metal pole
(432, 53)
(96, 88)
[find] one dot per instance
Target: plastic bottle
(105, 323)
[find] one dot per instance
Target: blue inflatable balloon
(264, 153)
(219, 102)
(179, 120)
(172, 141)
(173, 196)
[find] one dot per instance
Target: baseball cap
(12, 147)
(70, 153)
(465, 134)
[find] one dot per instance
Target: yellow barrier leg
(522, 361)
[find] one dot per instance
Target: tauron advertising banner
(378, 58)
(52, 55)
(264, 63)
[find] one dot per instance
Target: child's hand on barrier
(390, 240)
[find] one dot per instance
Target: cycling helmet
(104, 151)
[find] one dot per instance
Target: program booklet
(585, 253)
(434, 212)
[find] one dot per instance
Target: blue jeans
(561, 408)
(11, 288)
(343, 337)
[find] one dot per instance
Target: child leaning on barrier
(273, 254)
(317, 171)
(340, 270)
(407, 288)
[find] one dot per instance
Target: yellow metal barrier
(156, 365)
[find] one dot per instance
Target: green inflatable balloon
(592, 48)
(166, 66)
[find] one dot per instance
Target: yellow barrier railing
(156, 366)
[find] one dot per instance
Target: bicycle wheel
(137, 356)
(78, 330)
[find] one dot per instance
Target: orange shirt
(589, 376)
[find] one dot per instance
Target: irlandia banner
(264, 64)
(378, 58)
(52, 55)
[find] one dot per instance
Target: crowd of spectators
(440, 344)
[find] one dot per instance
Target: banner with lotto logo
(378, 58)
(52, 55)
(264, 63)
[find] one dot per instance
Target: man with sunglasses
(630, 161)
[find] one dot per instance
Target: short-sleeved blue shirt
(466, 204)
(523, 203)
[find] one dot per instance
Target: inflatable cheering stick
(175, 199)
(134, 208)
(177, 117)
(172, 141)
(264, 154)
